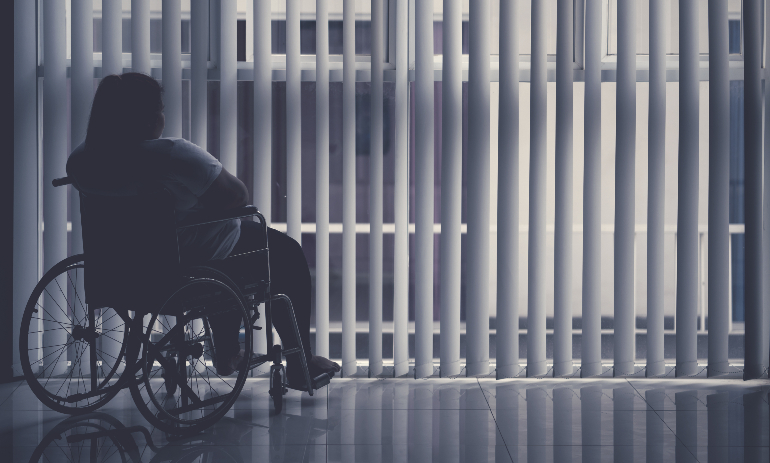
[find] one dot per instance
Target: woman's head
(127, 109)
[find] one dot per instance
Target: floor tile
(401, 393)
(385, 427)
(585, 394)
(417, 453)
(598, 454)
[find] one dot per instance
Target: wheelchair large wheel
(71, 354)
(203, 323)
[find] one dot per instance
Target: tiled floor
(441, 420)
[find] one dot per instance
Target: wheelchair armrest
(219, 216)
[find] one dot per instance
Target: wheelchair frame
(132, 340)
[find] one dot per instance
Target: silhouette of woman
(124, 137)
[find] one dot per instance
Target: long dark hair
(124, 111)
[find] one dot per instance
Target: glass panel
(524, 26)
(156, 27)
(672, 17)
(734, 15)
(308, 27)
(734, 32)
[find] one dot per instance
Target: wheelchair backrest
(130, 246)
(129, 232)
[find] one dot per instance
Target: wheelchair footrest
(321, 380)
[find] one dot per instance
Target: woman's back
(183, 168)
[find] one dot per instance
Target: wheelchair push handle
(61, 181)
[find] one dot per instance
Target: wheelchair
(128, 314)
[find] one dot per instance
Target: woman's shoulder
(160, 145)
(175, 147)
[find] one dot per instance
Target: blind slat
(451, 187)
(536, 300)
(54, 159)
(199, 48)
(756, 355)
(424, 173)
(508, 196)
(322, 179)
(82, 91)
(401, 248)
(263, 125)
(562, 352)
(591, 354)
(228, 89)
(766, 200)
(349, 188)
(376, 192)
(656, 187)
(112, 38)
(140, 36)
(477, 319)
(172, 67)
(293, 123)
(687, 283)
(625, 153)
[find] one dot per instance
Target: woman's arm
(226, 192)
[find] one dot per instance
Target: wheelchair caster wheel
(276, 388)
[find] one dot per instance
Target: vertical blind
(213, 46)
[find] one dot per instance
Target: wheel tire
(56, 399)
(276, 390)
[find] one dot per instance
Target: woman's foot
(316, 366)
(323, 365)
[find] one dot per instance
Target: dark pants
(289, 275)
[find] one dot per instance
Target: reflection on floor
(441, 420)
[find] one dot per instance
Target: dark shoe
(296, 377)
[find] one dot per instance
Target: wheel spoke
(116, 329)
(53, 319)
(111, 338)
(164, 363)
(69, 375)
(56, 362)
(105, 353)
(105, 321)
(65, 299)
(51, 329)
(46, 347)
(52, 353)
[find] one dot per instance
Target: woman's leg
(290, 275)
